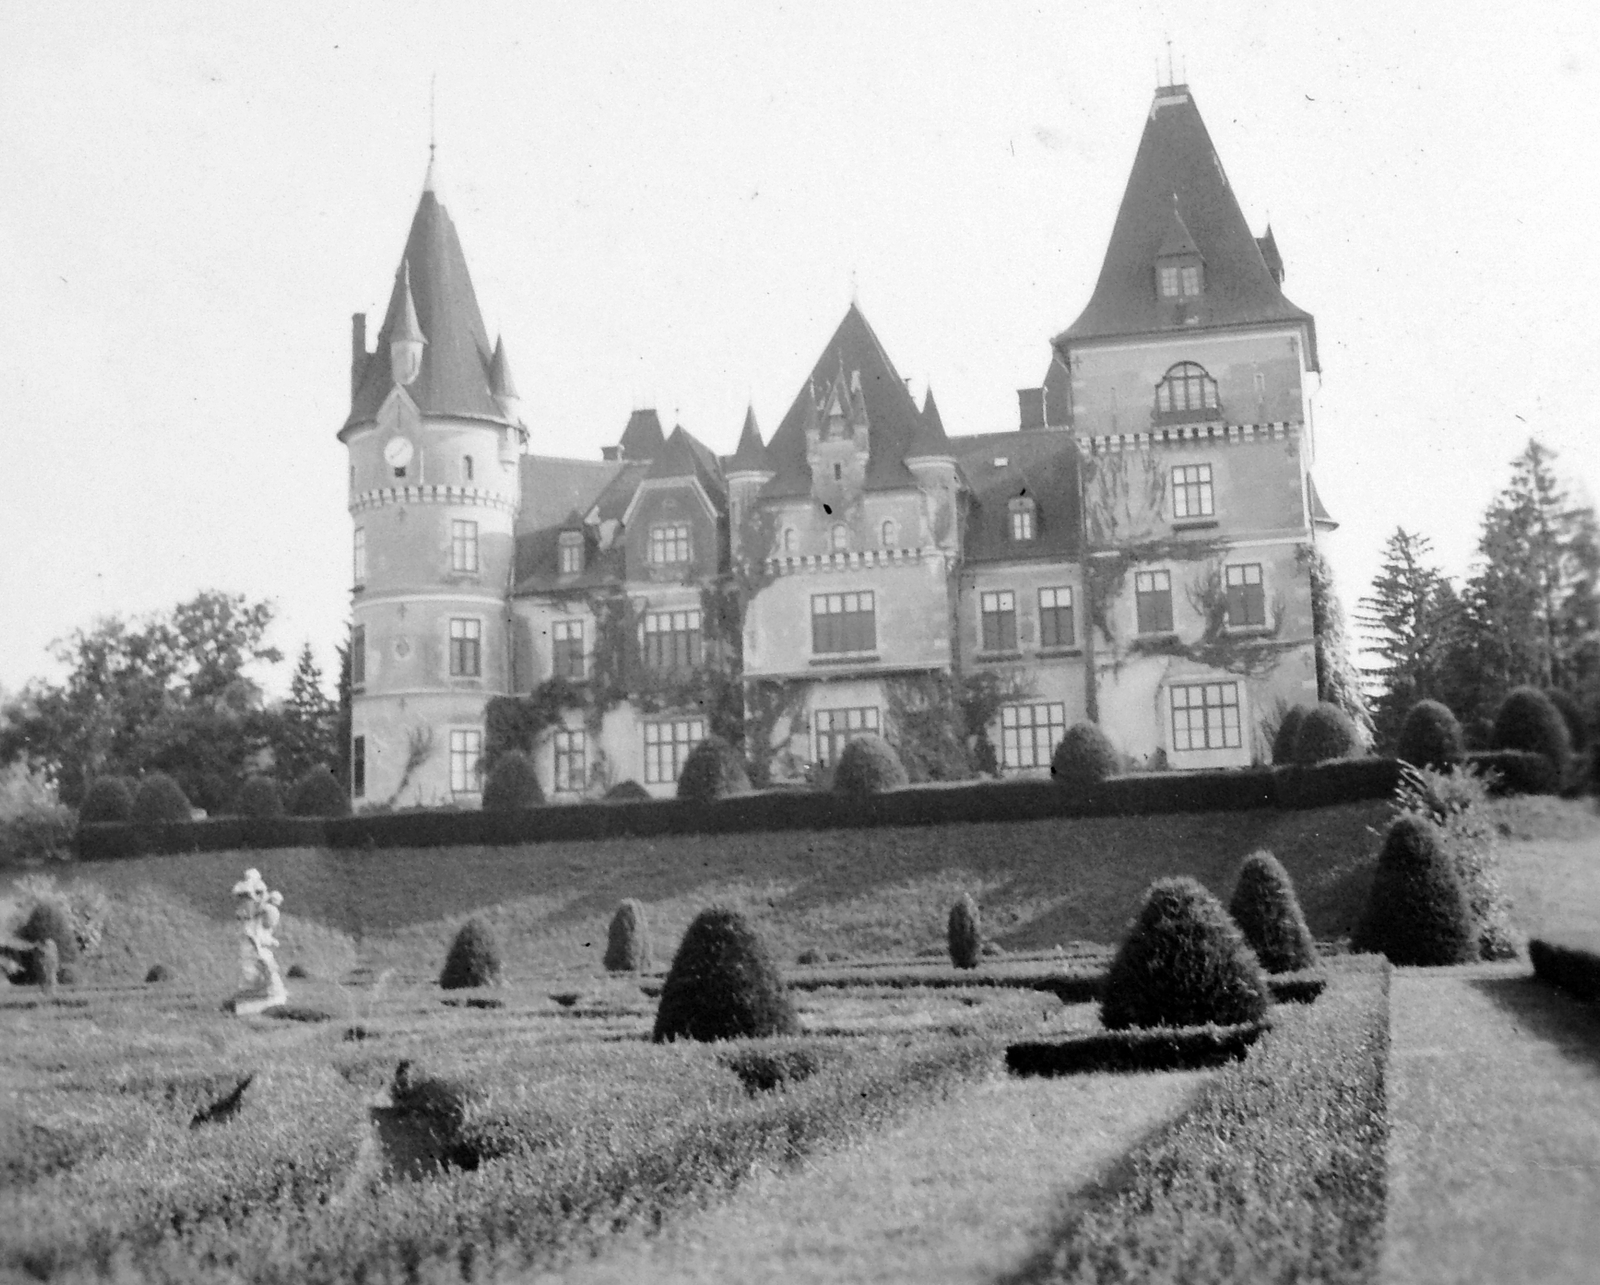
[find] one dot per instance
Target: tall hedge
(1417, 911)
(713, 770)
(1526, 720)
(160, 800)
(1430, 736)
(723, 984)
(1326, 732)
(1268, 913)
(1083, 759)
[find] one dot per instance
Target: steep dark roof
(1176, 160)
(454, 379)
(1270, 255)
(891, 413)
(553, 489)
(556, 496)
(751, 455)
(930, 437)
(1040, 465)
(643, 439)
(500, 382)
(1320, 516)
(686, 456)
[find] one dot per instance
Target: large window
(1205, 716)
(836, 728)
(667, 744)
(1169, 282)
(1191, 279)
(466, 755)
(572, 765)
(566, 649)
(358, 558)
(1247, 603)
(843, 622)
(466, 648)
(1192, 494)
(1152, 592)
(463, 545)
(999, 617)
(358, 766)
(571, 552)
(1185, 391)
(672, 639)
(1022, 519)
(1055, 618)
(1029, 734)
(669, 543)
(358, 657)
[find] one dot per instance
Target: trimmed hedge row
(1572, 963)
(1158, 1048)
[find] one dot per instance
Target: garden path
(963, 1191)
(1494, 1116)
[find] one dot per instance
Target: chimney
(1031, 403)
(358, 351)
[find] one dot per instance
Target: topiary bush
(1084, 758)
(108, 798)
(1430, 736)
(964, 933)
(318, 794)
(259, 797)
(159, 800)
(1325, 732)
(512, 784)
(474, 958)
(49, 921)
(157, 973)
(723, 984)
(1283, 739)
(628, 940)
(627, 792)
(1526, 720)
(1572, 716)
(713, 770)
(868, 765)
(1268, 913)
(1184, 963)
(1417, 911)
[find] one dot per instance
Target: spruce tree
(1338, 680)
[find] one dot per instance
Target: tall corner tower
(434, 437)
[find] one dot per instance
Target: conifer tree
(307, 722)
(1338, 680)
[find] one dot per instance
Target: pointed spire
(500, 382)
(751, 456)
(406, 339)
(930, 437)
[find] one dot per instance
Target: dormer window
(1022, 518)
(571, 553)
(1169, 282)
(1189, 276)
(1187, 392)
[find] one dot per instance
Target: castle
(1136, 552)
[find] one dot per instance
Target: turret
(501, 386)
(407, 341)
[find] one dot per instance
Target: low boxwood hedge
(1161, 1048)
(1518, 771)
(1572, 963)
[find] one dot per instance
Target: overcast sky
(670, 211)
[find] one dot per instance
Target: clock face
(398, 451)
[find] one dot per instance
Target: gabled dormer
(1179, 273)
(838, 443)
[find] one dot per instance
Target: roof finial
(855, 293)
(427, 182)
(1170, 80)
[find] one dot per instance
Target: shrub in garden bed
(259, 797)
(713, 770)
(319, 794)
(1517, 771)
(627, 792)
(1162, 1048)
(1335, 781)
(512, 784)
(1325, 732)
(723, 984)
(1430, 736)
(628, 939)
(1083, 759)
(1570, 962)
(868, 765)
(49, 921)
(159, 800)
(1268, 914)
(474, 958)
(1283, 738)
(1526, 720)
(1417, 911)
(763, 1069)
(108, 798)
(964, 933)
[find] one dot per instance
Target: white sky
(664, 210)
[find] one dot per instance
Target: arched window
(788, 539)
(1186, 392)
(466, 467)
(841, 538)
(888, 534)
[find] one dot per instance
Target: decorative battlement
(852, 560)
(1193, 434)
(381, 496)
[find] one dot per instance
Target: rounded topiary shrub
(713, 770)
(1268, 914)
(259, 797)
(1326, 732)
(159, 800)
(628, 940)
(868, 765)
(723, 984)
(512, 784)
(627, 792)
(108, 798)
(157, 973)
(1572, 716)
(48, 921)
(1430, 736)
(318, 794)
(1417, 911)
(474, 958)
(1084, 758)
(964, 933)
(1184, 963)
(1526, 720)
(1283, 739)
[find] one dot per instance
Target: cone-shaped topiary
(1084, 758)
(1185, 963)
(1326, 732)
(712, 771)
(627, 792)
(723, 984)
(157, 973)
(867, 766)
(49, 921)
(1430, 737)
(46, 968)
(628, 941)
(1572, 716)
(159, 800)
(474, 958)
(259, 797)
(512, 784)
(1526, 720)
(1268, 914)
(1417, 911)
(1283, 739)
(964, 933)
(318, 794)
(108, 798)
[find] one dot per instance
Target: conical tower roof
(751, 455)
(500, 382)
(931, 438)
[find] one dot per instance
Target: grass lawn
(1551, 863)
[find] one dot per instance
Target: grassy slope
(1551, 861)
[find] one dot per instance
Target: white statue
(258, 914)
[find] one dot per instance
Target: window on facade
(566, 649)
(1055, 618)
(358, 766)
(1029, 734)
(836, 728)
(466, 758)
(1152, 592)
(400, 470)
(999, 618)
(466, 467)
(571, 552)
(1192, 495)
(789, 539)
(463, 545)
(1191, 280)
(572, 765)
(843, 622)
(669, 543)
(839, 538)
(667, 744)
(1169, 283)
(1186, 391)
(358, 558)
(1205, 716)
(838, 472)
(1022, 514)
(466, 648)
(672, 639)
(358, 656)
(888, 535)
(1247, 603)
